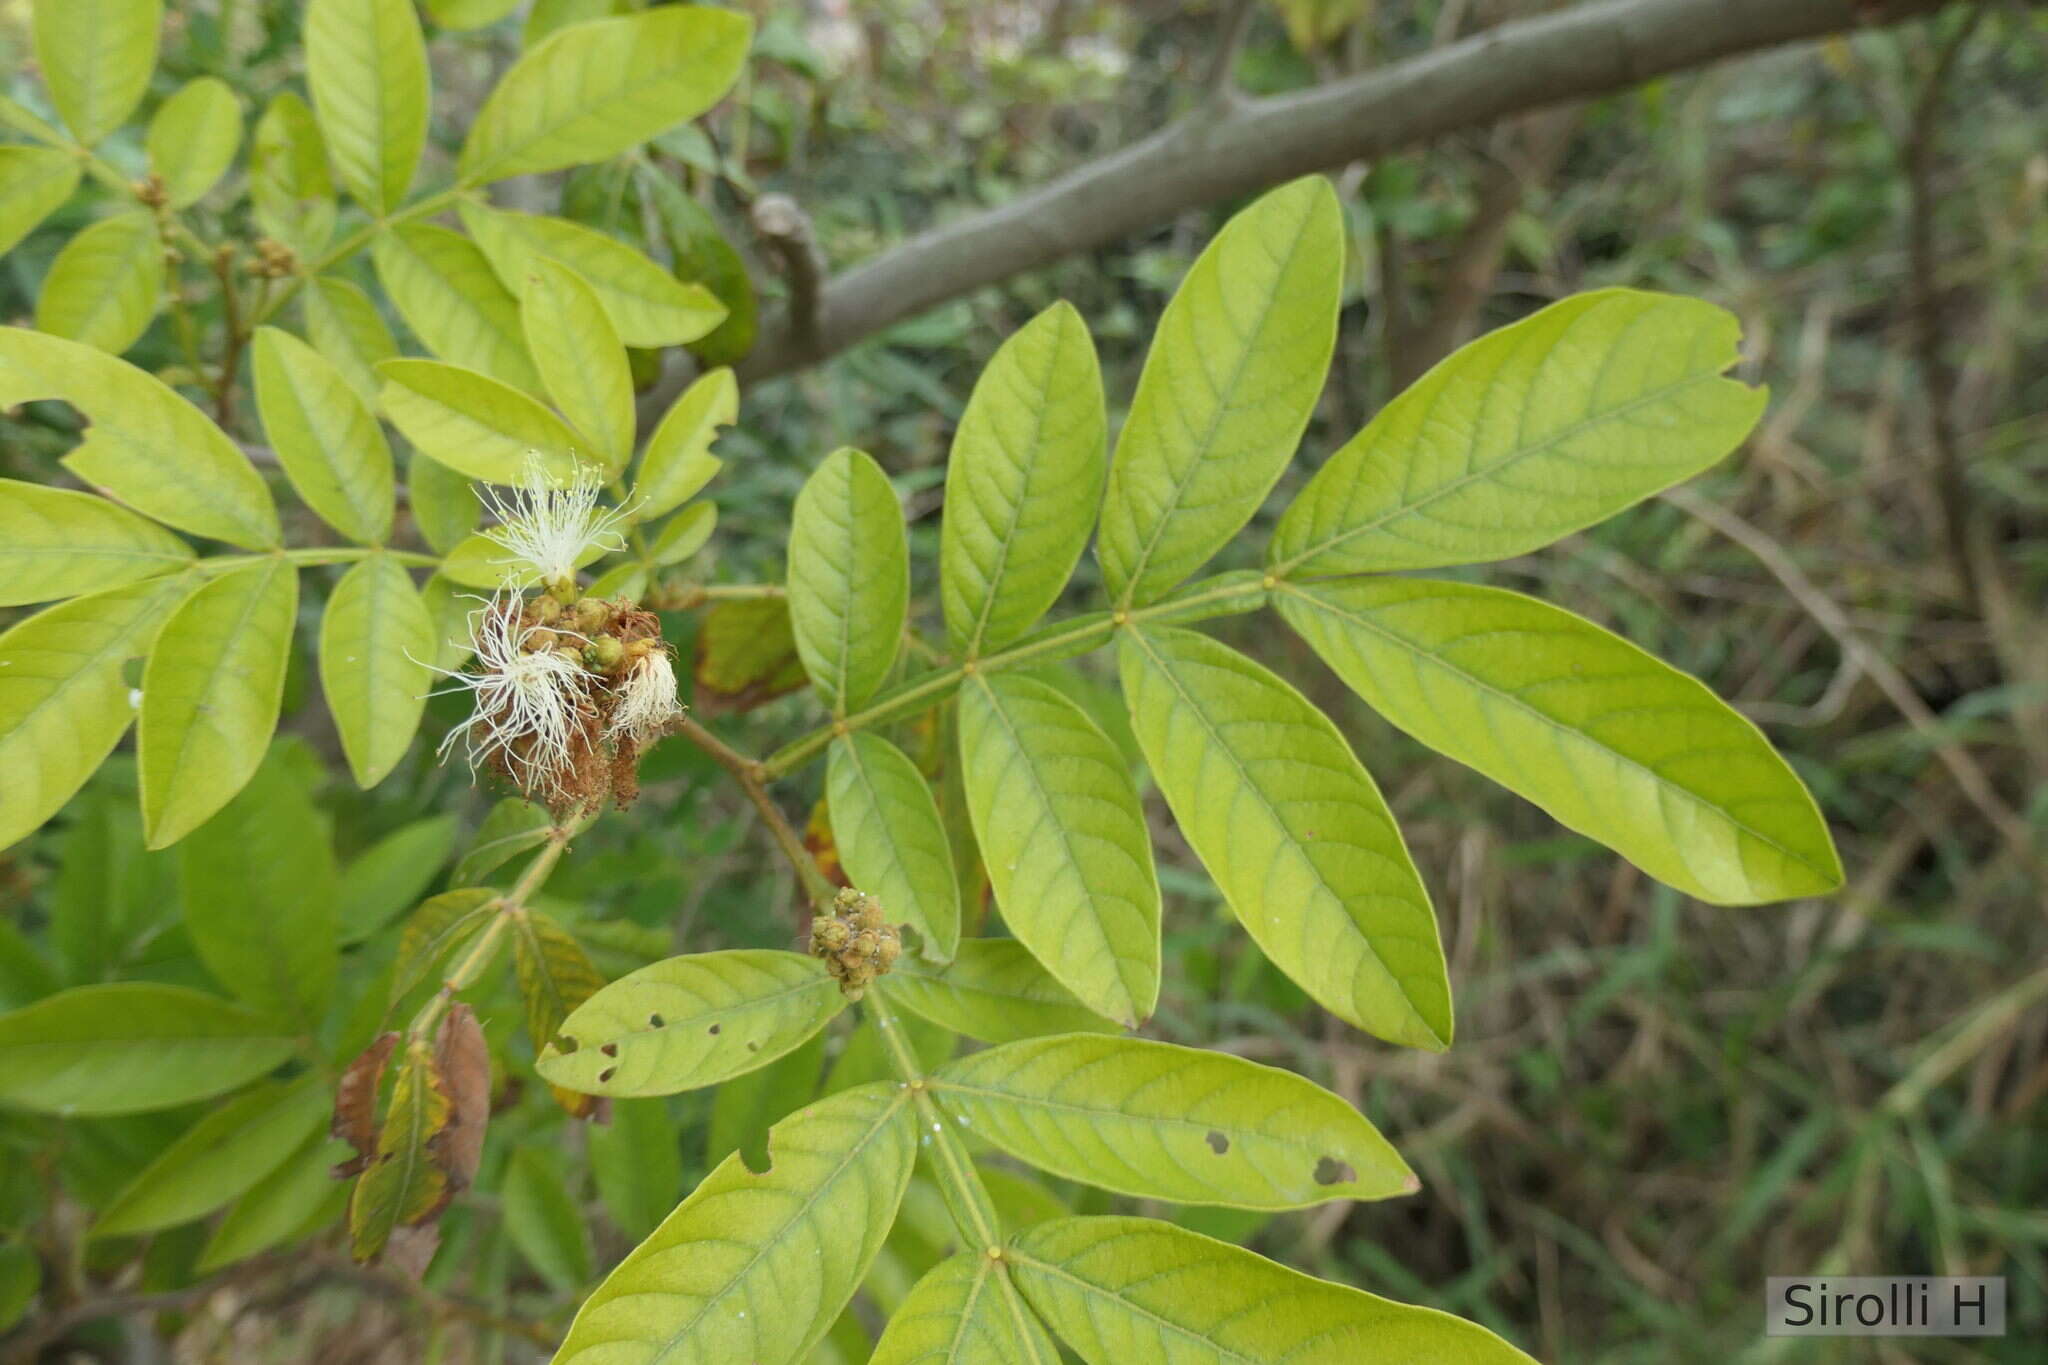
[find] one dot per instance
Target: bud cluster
(274, 260)
(854, 942)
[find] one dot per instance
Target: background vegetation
(1652, 1102)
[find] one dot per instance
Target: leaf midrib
(1516, 703)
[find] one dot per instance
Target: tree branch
(1577, 53)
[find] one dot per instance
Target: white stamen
(527, 703)
(548, 525)
(647, 701)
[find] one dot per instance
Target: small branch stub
(854, 942)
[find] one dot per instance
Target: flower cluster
(569, 689)
(854, 942)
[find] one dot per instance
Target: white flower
(530, 704)
(646, 700)
(549, 526)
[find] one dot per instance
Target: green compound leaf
(472, 423)
(404, 1183)
(290, 186)
(1131, 1291)
(1293, 830)
(638, 1164)
(219, 1158)
(258, 882)
(325, 436)
(435, 929)
(1610, 740)
(593, 90)
(210, 696)
(965, 1311)
(555, 975)
(1023, 483)
(512, 827)
(146, 446)
(373, 639)
(34, 183)
(753, 1267)
(132, 1046)
(1065, 842)
(891, 841)
(1526, 435)
(96, 57)
(688, 532)
(691, 1021)
(366, 64)
(385, 879)
(648, 306)
(57, 543)
(994, 990)
(64, 695)
(1157, 1121)
(849, 578)
(192, 139)
(581, 362)
(105, 285)
(679, 462)
(297, 1198)
(447, 293)
(345, 326)
(543, 1222)
(1234, 371)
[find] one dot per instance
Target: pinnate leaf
(849, 578)
(592, 90)
(386, 879)
(581, 363)
(281, 1206)
(1023, 482)
(1526, 435)
(1292, 828)
(96, 57)
(965, 1311)
(290, 186)
(193, 137)
(1131, 1291)
(64, 694)
(373, 639)
(106, 284)
(756, 1267)
(34, 183)
(1613, 742)
(218, 1158)
(345, 327)
(403, 1184)
(435, 929)
(886, 824)
(366, 63)
(555, 974)
(542, 1220)
(146, 445)
(1157, 1121)
(1064, 840)
(58, 543)
(211, 694)
(691, 1021)
(325, 436)
(131, 1046)
(994, 990)
(472, 423)
(1234, 371)
(678, 461)
(448, 295)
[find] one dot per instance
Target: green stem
(1077, 638)
(471, 964)
(966, 1196)
(317, 554)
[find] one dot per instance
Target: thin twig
(749, 773)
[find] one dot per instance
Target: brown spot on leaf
(714, 1030)
(606, 1074)
(1330, 1171)
(1218, 1143)
(610, 1049)
(655, 1021)
(355, 1103)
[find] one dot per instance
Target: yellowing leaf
(325, 436)
(403, 1185)
(471, 422)
(445, 290)
(1291, 826)
(1607, 738)
(886, 824)
(555, 975)
(678, 461)
(1023, 483)
(1064, 841)
(590, 91)
(64, 695)
(96, 57)
(965, 1311)
(581, 363)
(146, 445)
(994, 990)
(210, 695)
(105, 285)
(1235, 368)
(713, 1284)
(34, 183)
(648, 306)
(346, 328)
(1525, 435)
(57, 543)
(374, 640)
(366, 65)
(193, 137)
